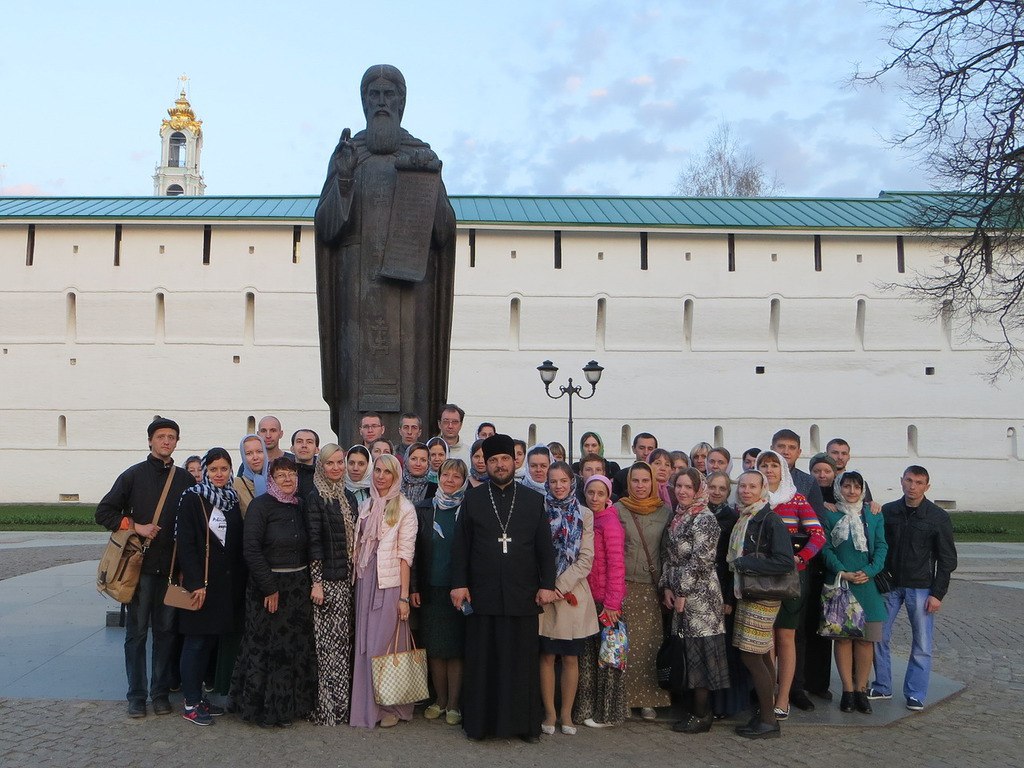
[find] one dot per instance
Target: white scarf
(786, 490)
(851, 526)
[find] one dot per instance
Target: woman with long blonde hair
(385, 543)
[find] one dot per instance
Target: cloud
(755, 83)
(21, 190)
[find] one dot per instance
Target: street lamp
(591, 371)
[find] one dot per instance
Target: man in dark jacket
(132, 503)
(921, 558)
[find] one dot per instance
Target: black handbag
(768, 586)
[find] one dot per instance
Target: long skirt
(727, 702)
(501, 682)
(275, 673)
(646, 632)
(332, 627)
(376, 622)
(442, 628)
(600, 695)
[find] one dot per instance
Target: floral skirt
(642, 612)
(275, 672)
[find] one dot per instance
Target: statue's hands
(344, 159)
(419, 160)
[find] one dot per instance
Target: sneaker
(874, 694)
(781, 714)
(433, 712)
(914, 705)
(211, 709)
(453, 717)
(196, 715)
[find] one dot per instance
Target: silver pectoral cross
(504, 540)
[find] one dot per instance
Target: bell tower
(181, 142)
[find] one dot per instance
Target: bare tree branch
(960, 63)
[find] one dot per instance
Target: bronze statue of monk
(385, 268)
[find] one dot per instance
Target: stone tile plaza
(62, 692)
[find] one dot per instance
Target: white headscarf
(786, 490)
(851, 525)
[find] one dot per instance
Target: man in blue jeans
(132, 503)
(921, 558)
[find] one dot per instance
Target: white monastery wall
(90, 351)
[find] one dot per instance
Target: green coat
(844, 557)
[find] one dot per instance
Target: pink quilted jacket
(607, 577)
(396, 543)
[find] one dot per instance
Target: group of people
(517, 572)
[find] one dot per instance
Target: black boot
(860, 701)
(846, 703)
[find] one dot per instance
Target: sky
(556, 97)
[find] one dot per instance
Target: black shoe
(284, 723)
(825, 694)
(760, 731)
(530, 739)
(800, 700)
(846, 702)
(694, 724)
(860, 701)
(161, 706)
(136, 709)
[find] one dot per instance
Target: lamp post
(548, 371)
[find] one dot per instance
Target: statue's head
(383, 91)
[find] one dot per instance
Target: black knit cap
(162, 424)
(496, 445)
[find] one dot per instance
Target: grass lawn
(969, 526)
(988, 526)
(48, 517)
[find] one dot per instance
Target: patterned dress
(688, 554)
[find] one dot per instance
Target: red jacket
(607, 578)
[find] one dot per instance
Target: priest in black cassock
(503, 565)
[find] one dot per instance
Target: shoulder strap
(647, 552)
(163, 499)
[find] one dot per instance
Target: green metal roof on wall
(890, 210)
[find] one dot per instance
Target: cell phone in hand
(604, 619)
(466, 608)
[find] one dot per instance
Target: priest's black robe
(501, 682)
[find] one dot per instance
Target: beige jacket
(652, 526)
(561, 621)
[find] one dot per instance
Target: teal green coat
(845, 558)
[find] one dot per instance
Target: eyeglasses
(451, 422)
(284, 474)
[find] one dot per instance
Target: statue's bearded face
(383, 105)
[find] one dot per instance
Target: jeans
(147, 610)
(195, 658)
(922, 623)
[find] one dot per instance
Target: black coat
(135, 494)
(275, 537)
(767, 547)
(726, 515)
(503, 584)
(328, 539)
(225, 588)
(922, 554)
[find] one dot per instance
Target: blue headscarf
(566, 525)
(259, 481)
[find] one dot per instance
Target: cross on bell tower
(181, 142)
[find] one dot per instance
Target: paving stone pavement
(976, 642)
